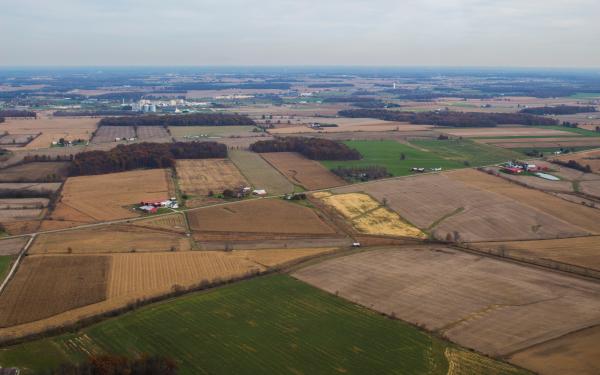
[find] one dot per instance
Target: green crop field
(578, 131)
(4, 266)
(269, 325)
(388, 154)
(460, 150)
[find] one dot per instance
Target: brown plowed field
(106, 134)
(198, 177)
(46, 286)
(12, 246)
(591, 187)
(153, 133)
(108, 239)
(301, 171)
(576, 353)
(104, 197)
(584, 217)
(441, 205)
(579, 251)
(34, 171)
(591, 158)
(259, 216)
(492, 306)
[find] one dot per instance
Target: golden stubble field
(492, 306)
(199, 177)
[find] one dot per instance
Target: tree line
(559, 110)
(451, 118)
(312, 148)
(573, 164)
(205, 119)
(368, 173)
(17, 113)
(143, 156)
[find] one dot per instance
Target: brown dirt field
(175, 222)
(441, 205)
(18, 214)
(34, 171)
(591, 187)
(575, 353)
(275, 257)
(505, 132)
(259, 216)
(584, 217)
(153, 133)
(107, 134)
(492, 306)
(46, 286)
(108, 239)
(301, 171)
(22, 226)
(591, 158)
(198, 177)
(52, 129)
(103, 197)
(12, 246)
(579, 251)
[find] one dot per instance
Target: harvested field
(591, 158)
(580, 251)
(21, 226)
(36, 171)
(301, 171)
(492, 306)
(275, 257)
(19, 214)
(505, 132)
(175, 222)
(199, 177)
(590, 187)
(33, 186)
(16, 140)
(142, 275)
(107, 134)
(52, 129)
(443, 205)
(49, 285)
(259, 216)
(22, 203)
(584, 217)
(12, 246)
(260, 173)
(106, 197)
(183, 133)
(152, 133)
(302, 125)
(108, 239)
(369, 217)
(575, 353)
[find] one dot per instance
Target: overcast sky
(547, 33)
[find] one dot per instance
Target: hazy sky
(551, 33)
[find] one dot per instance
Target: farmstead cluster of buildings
(153, 206)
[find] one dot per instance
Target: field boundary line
(16, 263)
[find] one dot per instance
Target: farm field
(576, 353)
(506, 132)
(116, 238)
(12, 246)
(107, 134)
(260, 216)
(563, 186)
(461, 150)
(388, 154)
(472, 213)
(260, 173)
(5, 263)
(175, 222)
(36, 171)
(277, 257)
(591, 158)
(52, 129)
(152, 133)
(16, 140)
(33, 186)
(492, 306)
(584, 217)
(46, 286)
(182, 133)
(199, 177)
(268, 325)
(368, 216)
(540, 143)
(301, 171)
(301, 125)
(106, 197)
(579, 251)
